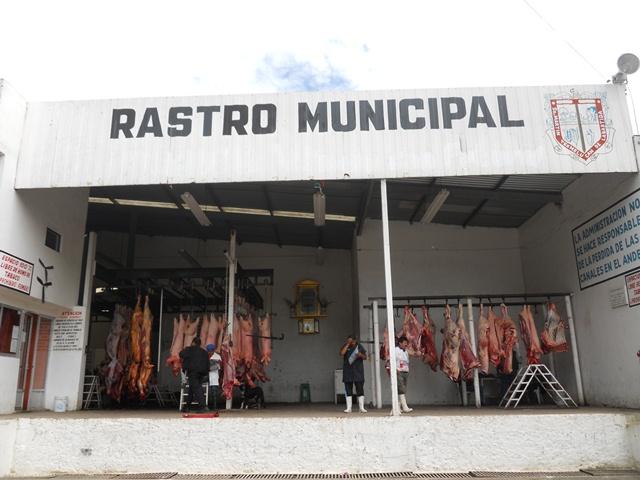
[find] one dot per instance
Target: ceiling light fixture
(319, 205)
(194, 206)
(435, 206)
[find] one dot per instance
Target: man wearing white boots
(353, 356)
(402, 360)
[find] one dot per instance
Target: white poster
(68, 330)
(15, 273)
(608, 245)
(633, 288)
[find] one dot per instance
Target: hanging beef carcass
(246, 339)
(483, 341)
(211, 338)
(146, 367)
(228, 368)
(115, 368)
(134, 342)
(123, 355)
(411, 329)
(191, 330)
(509, 338)
(179, 327)
(204, 331)
(553, 336)
(428, 341)
(449, 358)
(469, 359)
(496, 354)
(264, 328)
(530, 335)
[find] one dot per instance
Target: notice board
(608, 245)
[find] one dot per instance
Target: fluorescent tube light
(195, 209)
(435, 206)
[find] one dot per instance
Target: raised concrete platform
(318, 440)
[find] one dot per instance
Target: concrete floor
(322, 410)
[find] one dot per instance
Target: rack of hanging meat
(245, 353)
(127, 367)
(501, 325)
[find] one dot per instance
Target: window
(9, 330)
(52, 240)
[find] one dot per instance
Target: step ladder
(162, 396)
(91, 393)
(545, 378)
(184, 393)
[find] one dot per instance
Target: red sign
(633, 288)
(15, 273)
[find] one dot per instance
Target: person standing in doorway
(402, 361)
(353, 356)
(214, 374)
(195, 363)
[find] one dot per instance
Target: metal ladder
(546, 379)
(162, 396)
(91, 392)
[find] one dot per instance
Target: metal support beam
(215, 199)
(395, 406)
(276, 231)
(231, 294)
(574, 349)
(365, 200)
(172, 195)
(484, 202)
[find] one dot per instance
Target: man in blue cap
(214, 377)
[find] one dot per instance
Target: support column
(231, 293)
(472, 339)
(372, 361)
(395, 406)
(574, 349)
(160, 329)
(376, 353)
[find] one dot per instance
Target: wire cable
(564, 39)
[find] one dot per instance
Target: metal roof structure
(281, 213)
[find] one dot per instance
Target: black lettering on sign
(256, 118)
(119, 125)
(405, 118)
(371, 115)
(207, 118)
(336, 117)
(479, 113)
(447, 114)
(175, 120)
(393, 116)
(239, 123)
(150, 123)
(434, 123)
(311, 120)
(504, 114)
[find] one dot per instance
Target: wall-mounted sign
(68, 330)
(608, 244)
(633, 288)
(327, 135)
(15, 273)
(617, 297)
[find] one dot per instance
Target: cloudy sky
(98, 49)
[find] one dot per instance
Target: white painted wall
(299, 358)
(607, 338)
(435, 260)
(25, 217)
(361, 443)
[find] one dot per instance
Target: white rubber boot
(349, 404)
(361, 404)
(403, 404)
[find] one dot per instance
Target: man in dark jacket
(195, 362)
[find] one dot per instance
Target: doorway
(34, 354)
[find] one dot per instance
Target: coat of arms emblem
(579, 127)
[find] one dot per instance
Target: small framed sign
(632, 282)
